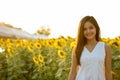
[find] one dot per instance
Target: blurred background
(37, 36)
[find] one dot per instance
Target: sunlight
(63, 17)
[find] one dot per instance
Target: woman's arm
(74, 66)
(108, 61)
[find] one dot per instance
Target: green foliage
(18, 62)
(116, 62)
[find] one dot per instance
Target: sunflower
(30, 48)
(22, 44)
(8, 40)
(49, 43)
(114, 73)
(9, 50)
(72, 44)
(114, 43)
(61, 53)
(30, 43)
(40, 58)
(37, 45)
(35, 59)
(18, 40)
(43, 43)
(2, 42)
(68, 37)
(59, 43)
(18, 45)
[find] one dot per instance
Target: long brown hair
(81, 40)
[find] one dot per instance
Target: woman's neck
(91, 42)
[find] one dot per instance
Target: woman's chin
(89, 37)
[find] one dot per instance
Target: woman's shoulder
(108, 51)
(107, 47)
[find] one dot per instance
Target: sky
(61, 16)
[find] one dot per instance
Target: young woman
(91, 58)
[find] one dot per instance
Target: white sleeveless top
(92, 63)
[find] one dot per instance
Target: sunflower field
(45, 59)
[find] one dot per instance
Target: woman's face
(89, 31)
